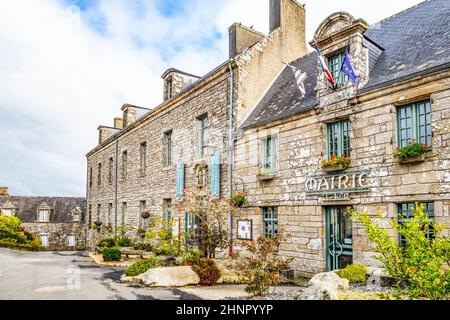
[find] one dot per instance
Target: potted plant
(412, 152)
(145, 215)
(238, 200)
(338, 163)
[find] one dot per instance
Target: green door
(339, 238)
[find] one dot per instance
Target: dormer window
(43, 213)
(335, 64)
(169, 88)
(76, 214)
(8, 209)
(8, 212)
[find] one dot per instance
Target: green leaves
(410, 150)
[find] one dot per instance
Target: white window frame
(71, 240)
(46, 215)
(8, 212)
(44, 243)
(274, 153)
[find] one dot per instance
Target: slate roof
(409, 44)
(26, 207)
(283, 98)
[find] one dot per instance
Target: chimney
(285, 12)
(118, 123)
(4, 191)
(241, 37)
(274, 14)
(103, 134)
(129, 115)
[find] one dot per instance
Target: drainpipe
(86, 218)
(230, 156)
(115, 187)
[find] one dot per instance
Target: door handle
(334, 253)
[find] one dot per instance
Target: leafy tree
(422, 263)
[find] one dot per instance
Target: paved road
(69, 276)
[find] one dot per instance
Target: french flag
(324, 67)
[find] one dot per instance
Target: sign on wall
(244, 229)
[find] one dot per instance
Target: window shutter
(274, 152)
(180, 179)
(262, 154)
(215, 174)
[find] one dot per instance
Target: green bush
(13, 236)
(106, 243)
(10, 227)
(125, 242)
(190, 257)
(355, 273)
(112, 254)
(412, 149)
(207, 271)
(420, 266)
(141, 266)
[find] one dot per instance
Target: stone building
(146, 159)
(58, 221)
(403, 93)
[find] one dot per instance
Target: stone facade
(246, 74)
(63, 225)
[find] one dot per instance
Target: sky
(67, 66)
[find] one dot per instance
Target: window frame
(47, 237)
(68, 242)
(416, 125)
(167, 148)
(124, 168)
(10, 210)
(99, 174)
(429, 209)
(203, 133)
(271, 141)
(110, 170)
(167, 211)
(123, 213)
(169, 88)
(334, 63)
(142, 209)
(270, 221)
(47, 215)
(143, 157)
(110, 214)
(342, 144)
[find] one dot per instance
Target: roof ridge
(400, 13)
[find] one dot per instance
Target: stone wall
(57, 234)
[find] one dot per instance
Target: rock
(378, 278)
(319, 292)
(132, 280)
(170, 277)
(331, 279)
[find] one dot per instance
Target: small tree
(422, 263)
(212, 213)
(261, 267)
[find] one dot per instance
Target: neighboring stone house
(149, 156)
(58, 221)
(403, 63)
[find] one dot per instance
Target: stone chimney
(129, 115)
(118, 123)
(103, 134)
(285, 12)
(241, 38)
(175, 81)
(4, 192)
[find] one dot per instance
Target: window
(167, 211)
(124, 164)
(8, 212)
(270, 222)
(167, 156)
(110, 169)
(111, 215)
(406, 211)
(143, 156)
(192, 228)
(90, 177)
(124, 214)
(414, 122)
(142, 209)
(269, 153)
(338, 138)
(335, 65)
(71, 241)
(90, 215)
(202, 134)
(99, 177)
(44, 239)
(169, 88)
(44, 215)
(99, 209)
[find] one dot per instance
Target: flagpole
(320, 53)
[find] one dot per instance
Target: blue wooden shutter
(180, 179)
(215, 174)
(274, 154)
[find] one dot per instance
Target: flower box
(265, 177)
(338, 167)
(418, 158)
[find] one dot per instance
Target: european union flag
(348, 69)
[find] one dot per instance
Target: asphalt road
(69, 276)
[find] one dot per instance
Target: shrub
(143, 246)
(190, 257)
(355, 273)
(9, 227)
(125, 242)
(107, 243)
(112, 254)
(336, 161)
(421, 264)
(141, 266)
(207, 271)
(261, 268)
(412, 149)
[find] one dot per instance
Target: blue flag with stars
(348, 69)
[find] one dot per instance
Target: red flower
(332, 156)
(425, 146)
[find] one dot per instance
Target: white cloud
(63, 72)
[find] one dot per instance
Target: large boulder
(319, 292)
(331, 279)
(170, 277)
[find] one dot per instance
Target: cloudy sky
(67, 66)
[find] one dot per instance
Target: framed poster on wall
(245, 229)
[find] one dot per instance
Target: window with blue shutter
(215, 174)
(180, 179)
